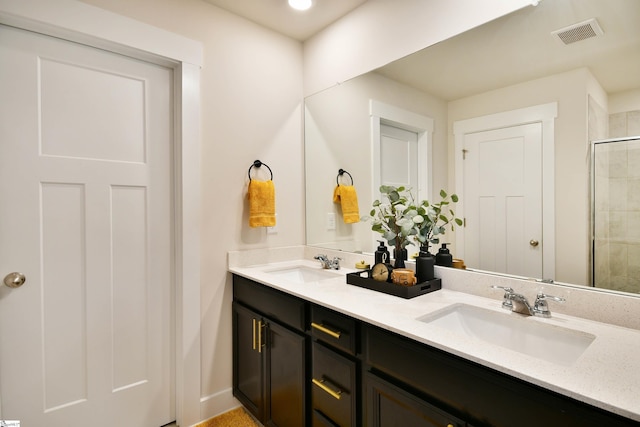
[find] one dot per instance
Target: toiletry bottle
(382, 253)
(424, 265)
(444, 257)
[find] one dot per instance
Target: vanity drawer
(270, 302)
(333, 388)
(334, 329)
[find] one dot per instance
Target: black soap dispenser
(424, 265)
(382, 253)
(444, 257)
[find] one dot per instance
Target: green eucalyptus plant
(393, 218)
(401, 220)
(433, 219)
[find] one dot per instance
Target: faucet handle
(506, 302)
(541, 307)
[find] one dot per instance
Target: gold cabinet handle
(260, 344)
(320, 383)
(322, 328)
(254, 334)
(257, 333)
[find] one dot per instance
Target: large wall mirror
(569, 88)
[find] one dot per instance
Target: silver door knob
(533, 243)
(14, 280)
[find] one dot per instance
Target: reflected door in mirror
(503, 195)
(398, 157)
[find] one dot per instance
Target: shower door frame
(592, 204)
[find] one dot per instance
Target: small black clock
(381, 272)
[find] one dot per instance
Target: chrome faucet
(506, 302)
(518, 303)
(333, 264)
(541, 307)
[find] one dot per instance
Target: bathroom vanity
(311, 350)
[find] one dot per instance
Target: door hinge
(464, 153)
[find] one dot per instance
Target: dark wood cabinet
(388, 405)
(286, 377)
(334, 389)
(248, 361)
(269, 357)
(479, 395)
(334, 329)
(297, 364)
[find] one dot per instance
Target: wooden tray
(362, 280)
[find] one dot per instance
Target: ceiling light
(300, 4)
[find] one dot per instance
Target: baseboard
(217, 403)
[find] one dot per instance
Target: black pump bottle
(444, 257)
(382, 253)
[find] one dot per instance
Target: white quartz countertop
(606, 375)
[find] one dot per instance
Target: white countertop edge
(616, 388)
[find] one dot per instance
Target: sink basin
(304, 274)
(515, 332)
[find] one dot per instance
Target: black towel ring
(257, 164)
(342, 172)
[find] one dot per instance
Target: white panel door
(85, 215)
(399, 162)
(398, 157)
(503, 200)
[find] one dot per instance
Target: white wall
(624, 101)
(381, 31)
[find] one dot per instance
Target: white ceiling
(278, 16)
(518, 47)
(509, 50)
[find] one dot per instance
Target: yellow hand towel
(262, 203)
(346, 195)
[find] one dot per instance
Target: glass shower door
(616, 214)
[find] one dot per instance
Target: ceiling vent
(577, 32)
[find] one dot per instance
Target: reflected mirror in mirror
(587, 90)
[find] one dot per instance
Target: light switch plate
(331, 221)
(274, 229)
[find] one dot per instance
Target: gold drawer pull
(323, 386)
(254, 334)
(318, 326)
(260, 343)
(257, 333)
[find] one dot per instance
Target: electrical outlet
(331, 221)
(274, 229)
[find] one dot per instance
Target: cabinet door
(389, 406)
(248, 367)
(286, 375)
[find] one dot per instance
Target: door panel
(248, 368)
(286, 377)
(503, 200)
(85, 161)
(398, 154)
